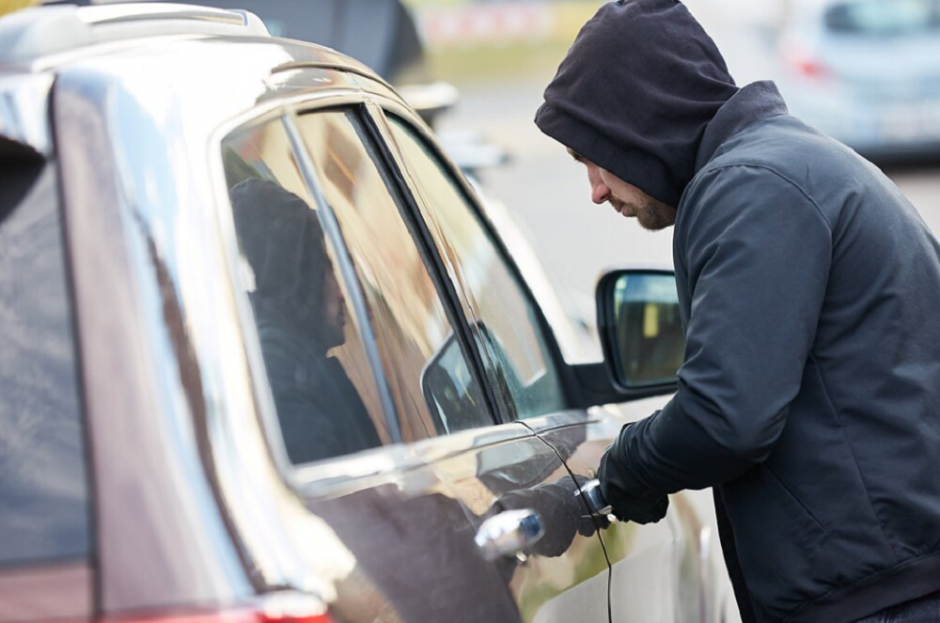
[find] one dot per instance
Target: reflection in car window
(326, 397)
(427, 371)
(43, 493)
(506, 327)
(650, 337)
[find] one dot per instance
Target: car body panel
(392, 533)
(24, 595)
(567, 565)
(142, 372)
(645, 580)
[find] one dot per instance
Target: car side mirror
(640, 328)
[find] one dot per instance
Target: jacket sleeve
(757, 252)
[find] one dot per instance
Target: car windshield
(880, 18)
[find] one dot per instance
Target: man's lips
(622, 208)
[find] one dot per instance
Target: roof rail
(40, 31)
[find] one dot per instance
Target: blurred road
(547, 193)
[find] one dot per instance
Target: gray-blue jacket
(810, 393)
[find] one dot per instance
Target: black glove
(628, 506)
(564, 513)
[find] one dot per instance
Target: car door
(655, 573)
(405, 411)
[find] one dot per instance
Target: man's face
(333, 309)
(626, 198)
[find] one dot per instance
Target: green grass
(489, 63)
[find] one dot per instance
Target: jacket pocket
(778, 541)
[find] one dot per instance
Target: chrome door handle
(509, 532)
(595, 499)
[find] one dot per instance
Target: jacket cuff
(623, 492)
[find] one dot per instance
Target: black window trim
(347, 270)
(411, 215)
(570, 381)
(408, 210)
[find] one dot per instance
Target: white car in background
(866, 72)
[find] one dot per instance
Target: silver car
(264, 358)
(866, 72)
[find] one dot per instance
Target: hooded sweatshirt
(809, 396)
(636, 92)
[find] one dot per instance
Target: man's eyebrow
(577, 157)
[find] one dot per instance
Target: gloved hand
(564, 513)
(628, 506)
(589, 523)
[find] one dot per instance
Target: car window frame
(273, 110)
(383, 107)
(408, 212)
(411, 214)
(287, 110)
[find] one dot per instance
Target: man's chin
(654, 222)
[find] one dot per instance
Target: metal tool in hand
(597, 505)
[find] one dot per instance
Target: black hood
(635, 93)
(282, 239)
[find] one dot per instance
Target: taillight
(799, 60)
(291, 607)
(276, 608)
(810, 68)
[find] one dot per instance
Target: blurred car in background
(264, 357)
(866, 72)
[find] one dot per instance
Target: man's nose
(599, 192)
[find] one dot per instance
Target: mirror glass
(649, 342)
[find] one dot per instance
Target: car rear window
(44, 512)
(879, 18)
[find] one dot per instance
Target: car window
(426, 367)
(324, 391)
(44, 498)
(515, 351)
(884, 17)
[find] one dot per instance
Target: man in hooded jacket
(809, 289)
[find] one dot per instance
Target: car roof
(39, 32)
(46, 37)
(159, 46)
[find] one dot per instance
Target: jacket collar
(755, 102)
